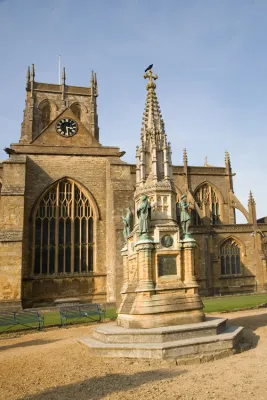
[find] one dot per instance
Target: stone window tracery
(208, 201)
(230, 258)
(63, 240)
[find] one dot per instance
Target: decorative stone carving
(184, 215)
(128, 223)
(144, 215)
(167, 241)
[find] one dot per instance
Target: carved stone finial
(227, 159)
(151, 77)
(33, 73)
(185, 156)
(28, 76)
(206, 161)
(251, 198)
(63, 76)
(94, 85)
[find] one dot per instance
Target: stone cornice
(99, 151)
(248, 228)
(179, 170)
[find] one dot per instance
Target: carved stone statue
(184, 215)
(128, 223)
(144, 215)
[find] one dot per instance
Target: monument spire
(153, 124)
(154, 153)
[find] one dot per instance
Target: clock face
(67, 127)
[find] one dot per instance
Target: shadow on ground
(98, 387)
(251, 323)
(27, 343)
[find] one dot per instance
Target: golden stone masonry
(62, 192)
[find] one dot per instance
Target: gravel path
(53, 365)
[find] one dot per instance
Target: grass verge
(223, 304)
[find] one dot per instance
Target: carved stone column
(189, 263)
(124, 253)
(144, 251)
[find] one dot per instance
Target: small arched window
(76, 109)
(230, 258)
(44, 115)
(208, 201)
(63, 227)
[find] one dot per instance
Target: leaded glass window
(63, 232)
(230, 258)
(208, 201)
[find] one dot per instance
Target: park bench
(94, 312)
(24, 318)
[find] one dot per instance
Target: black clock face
(67, 127)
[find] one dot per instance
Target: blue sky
(210, 56)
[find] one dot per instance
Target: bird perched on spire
(149, 67)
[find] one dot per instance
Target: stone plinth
(183, 341)
(160, 288)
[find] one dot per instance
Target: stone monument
(161, 314)
(159, 282)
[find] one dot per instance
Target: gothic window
(208, 201)
(195, 217)
(230, 258)
(63, 241)
(45, 114)
(76, 109)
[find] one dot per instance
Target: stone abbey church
(62, 192)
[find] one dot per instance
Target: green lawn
(217, 304)
(53, 319)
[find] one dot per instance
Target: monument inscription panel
(167, 265)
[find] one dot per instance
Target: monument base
(205, 339)
(159, 320)
(142, 310)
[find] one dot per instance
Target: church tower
(45, 101)
(55, 200)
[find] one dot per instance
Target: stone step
(174, 349)
(112, 333)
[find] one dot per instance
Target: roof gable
(49, 135)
